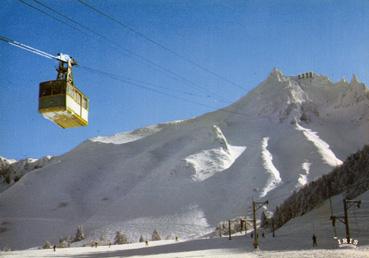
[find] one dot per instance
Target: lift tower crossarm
(347, 204)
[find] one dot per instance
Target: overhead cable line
(42, 11)
(28, 48)
(49, 56)
(140, 34)
(139, 85)
(137, 82)
(173, 74)
(146, 60)
(110, 75)
(102, 36)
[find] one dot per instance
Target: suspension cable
(28, 48)
(126, 51)
(111, 76)
(50, 56)
(162, 46)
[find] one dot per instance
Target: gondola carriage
(60, 101)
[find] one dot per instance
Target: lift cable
(142, 86)
(112, 43)
(102, 36)
(28, 48)
(49, 56)
(173, 74)
(139, 85)
(138, 82)
(55, 18)
(110, 75)
(140, 34)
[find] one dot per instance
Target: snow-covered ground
(238, 247)
(184, 177)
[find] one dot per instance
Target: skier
(315, 243)
(54, 247)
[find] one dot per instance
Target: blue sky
(238, 40)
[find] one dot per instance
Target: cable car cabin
(63, 104)
(60, 101)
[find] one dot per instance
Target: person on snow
(315, 243)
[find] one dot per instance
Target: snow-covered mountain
(12, 170)
(183, 177)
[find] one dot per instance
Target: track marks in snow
(323, 148)
(274, 178)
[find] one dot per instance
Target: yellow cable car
(60, 101)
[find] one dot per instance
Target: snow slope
(211, 248)
(297, 233)
(183, 177)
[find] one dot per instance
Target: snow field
(213, 248)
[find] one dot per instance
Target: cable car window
(74, 95)
(79, 98)
(56, 89)
(70, 91)
(45, 91)
(84, 102)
